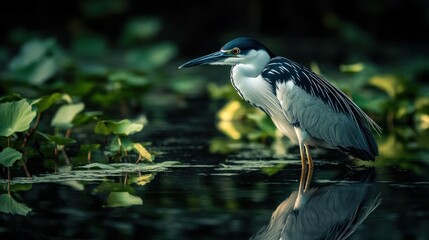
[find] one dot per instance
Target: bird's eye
(235, 51)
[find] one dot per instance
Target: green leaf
(148, 59)
(141, 29)
(47, 101)
(89, 147)
(98, 166)
(9, 156)
(59, 140)
(86, 117)
(123, 127)
(64, 116)
(38, 61)
(10, 206)
(129, 78)
(143, 152)
(123, 199)
(15, 117)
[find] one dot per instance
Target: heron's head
(239, 50)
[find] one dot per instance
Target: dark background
(381, 30)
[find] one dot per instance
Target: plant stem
(68, 133)
(89, 156)
(24, 164)
(8, 141)
(31, 131)
(8, 180)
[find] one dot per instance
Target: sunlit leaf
(123, 199)
(47, 101)
(64, 116)
(231, 111)
(59, 140)
(352, 68)
(229, 129)
(143, 179)
(15, 117)
(10, 206)
(393, 85)
(9, 156)
(422, 122)
(143, 152)
(123, 127)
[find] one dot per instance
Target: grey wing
(316, 106)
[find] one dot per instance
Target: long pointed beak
(213, 58)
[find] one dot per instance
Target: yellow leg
(302, 153)
(310, 168)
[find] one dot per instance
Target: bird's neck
(252, 67)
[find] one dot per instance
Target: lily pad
(9, 205)
(123, 199)
(9, 156)
(15, 117)
(64, 116)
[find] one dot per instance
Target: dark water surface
(209, 196)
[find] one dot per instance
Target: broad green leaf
(123, 199)
(44, 70)
(10, 206)
(64, 116)
(9, 156)
(123, 127)
(15, 117)
(143, 152)
(47, 101)
(102, 127)
(59, 140)
(352, 68)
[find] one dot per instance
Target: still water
(200, 195)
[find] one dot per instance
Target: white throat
(252, 65)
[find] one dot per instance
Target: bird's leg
(302, 181)
(310, 168)
(302, 153)
(309, 159)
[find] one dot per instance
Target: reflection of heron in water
(332, 212)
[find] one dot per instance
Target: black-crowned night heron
(305, 107)
(333, 212)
